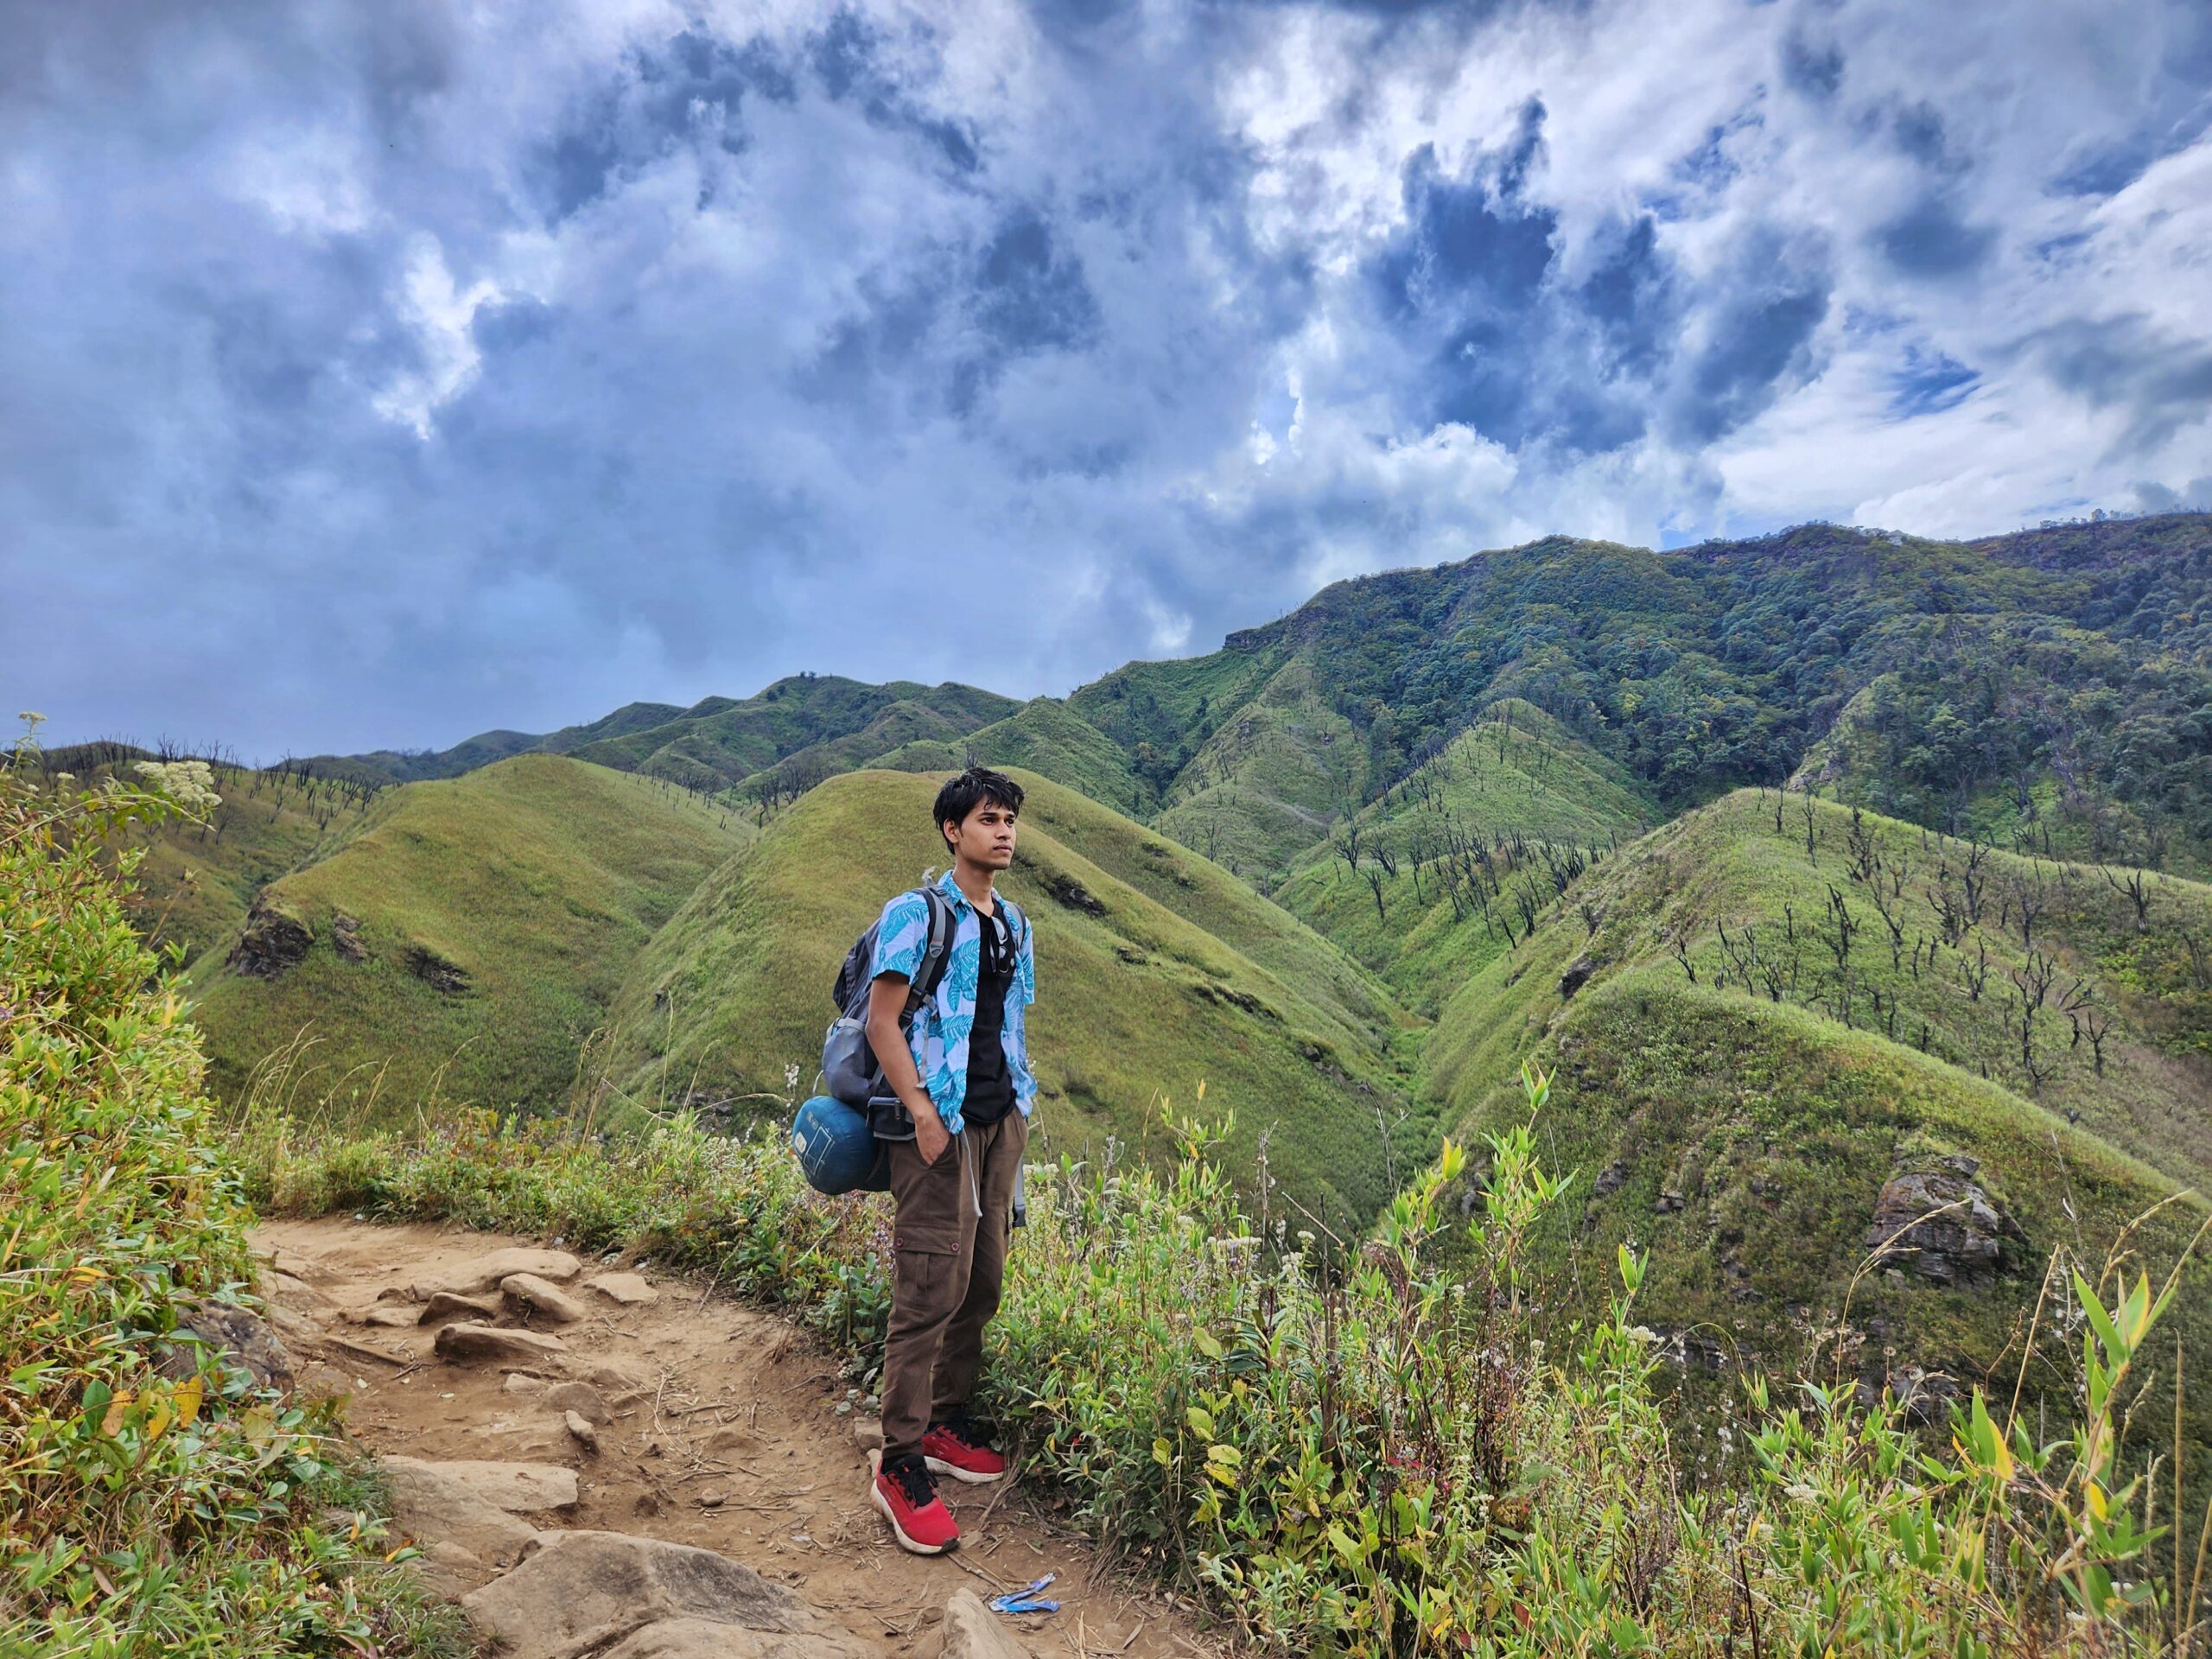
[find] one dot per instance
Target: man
(961, 1073)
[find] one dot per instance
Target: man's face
(985, 836)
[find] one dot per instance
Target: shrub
(192, 1513)
(1371, 1453)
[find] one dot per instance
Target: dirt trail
(725, 1433)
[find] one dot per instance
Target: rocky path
(607, 1463)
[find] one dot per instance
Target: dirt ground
(726, 1435)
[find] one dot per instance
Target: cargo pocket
(926, 1221)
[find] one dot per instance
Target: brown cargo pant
(948, 1266)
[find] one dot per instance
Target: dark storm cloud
(380, 372)
(2129, 363)
(1930, 239)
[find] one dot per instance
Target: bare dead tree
(2136, 890)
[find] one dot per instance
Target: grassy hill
(463, 940)
(1045, 736)
(195, 881)
(721, 742)
(1137, 998)
(1271, 778)
(1739, 1091)
(2052, 689)
(1429, 882)
(2071, 666)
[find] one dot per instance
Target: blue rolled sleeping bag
(837, 1150)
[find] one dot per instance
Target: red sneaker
(907, 1497)
(957, 1449)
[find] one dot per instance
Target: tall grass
(1378, 1453)
(153, 1497)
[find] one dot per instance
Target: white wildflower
(1801, 1491)
(1643, 1333)
(190, 784)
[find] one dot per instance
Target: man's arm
(886, 1000)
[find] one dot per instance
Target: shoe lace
(969, 1433)
(912, 1476)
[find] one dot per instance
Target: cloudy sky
(376, 372)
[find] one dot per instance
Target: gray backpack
(850, 1071)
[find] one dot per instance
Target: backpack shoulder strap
(1015, 921)
(938, 950)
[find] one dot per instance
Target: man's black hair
(970, 790)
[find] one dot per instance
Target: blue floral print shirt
(938, 1033)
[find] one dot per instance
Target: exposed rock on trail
(627, 1289)
(669, 1478)
(536, 1294)
(462, 1342)
(583, 1589)
(476, 1274)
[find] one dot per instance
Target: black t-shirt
(990, 1085)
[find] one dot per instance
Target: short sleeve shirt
(939, 1034)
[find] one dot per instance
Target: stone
(1611, 1178)
(583, 1400)
(1942, 1226)
(868, 1434)
(273, 942)
(430, 1501)
(460, 1343)
(703, 1638)
(620, 1379)
(516, 1488)
(483, 1273)
(295, 1292)
(391, 1316)
(626, 1288)
(582, 1592)
(452, 1572)
(538, 1294)
(971, 1630)
(449, 978)
(1576, 976)
(581, 1426)
(451, 1304)
(1066, 890)
(233, 1336)
(523, 1382)
(346, 935)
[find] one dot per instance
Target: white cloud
(543, 359)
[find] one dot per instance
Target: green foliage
(818, 723)
(489, 923)
(196, 877)
(1734, 1126)
(1395, 1455)
(1045, 736)
(2062, 670)
(184, 1510)
(1439, 874)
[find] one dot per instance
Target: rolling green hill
(463, 940)
(2069, 667)
(196, 881)
(2052, 689)
(1137, 998)
(718, 743)
(1045, 736)
(1452, 862)
(1753, 1095)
